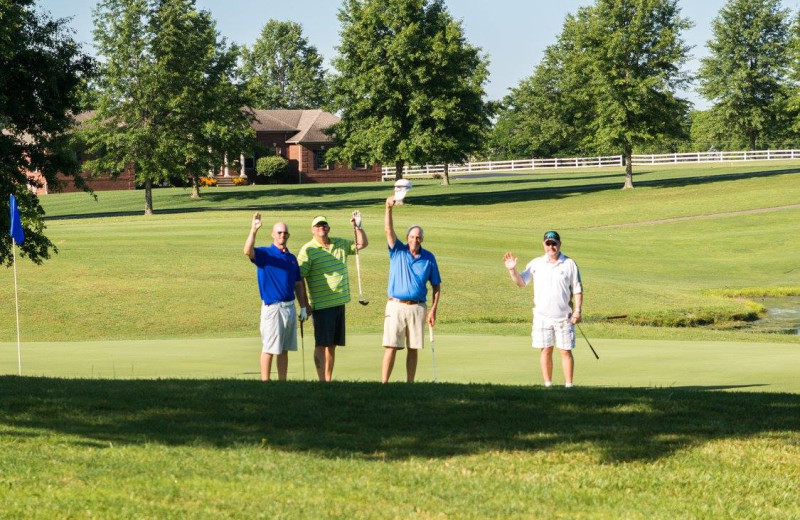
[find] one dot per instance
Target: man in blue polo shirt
(278, 283)
(410, 269)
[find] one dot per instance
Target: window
(360, 166)
(320, 162)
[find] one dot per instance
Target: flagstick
(16, 304)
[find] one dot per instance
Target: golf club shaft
(303, 349)
(358, 267)
(587, 341)
(433, 350)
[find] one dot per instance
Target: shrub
(239, 181)
(273, 167)
(206, 181)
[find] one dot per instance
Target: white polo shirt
(553, 286)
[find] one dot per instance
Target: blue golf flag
(16, 231)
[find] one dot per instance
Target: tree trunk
(446, 175)
(752, 140)
(628, 168)
(195, 188)
(148, 197)
(398, 170)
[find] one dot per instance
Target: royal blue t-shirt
(408, 276)
(277, 273)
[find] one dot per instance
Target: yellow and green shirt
(325, 271)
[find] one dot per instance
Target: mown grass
(222, 448)
(663, 426)
(661, 253)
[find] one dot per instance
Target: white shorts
(548, 332)
(278, 328)
(404, 325)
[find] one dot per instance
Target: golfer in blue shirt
(411, 268)
(278, 283)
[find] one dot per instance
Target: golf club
(617, 317)
(303, 349)
(361, 298)
(433, 350)
(587, 341)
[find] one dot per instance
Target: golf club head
(363, 301)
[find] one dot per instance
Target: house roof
(307, 126)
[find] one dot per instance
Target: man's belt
(407, 302)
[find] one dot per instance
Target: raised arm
(250, 242)
(388, 223)
(361, 237)
(511, 264)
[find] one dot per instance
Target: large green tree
(745, 73)
(41, 70)
(282, 70)
(609, 84)
(167, 106)
(409, 88)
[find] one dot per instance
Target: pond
(782, 317)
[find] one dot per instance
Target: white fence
(436, 170)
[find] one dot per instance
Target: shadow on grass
(373, 421)
(522, 188)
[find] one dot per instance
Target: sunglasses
(550, 243)
(321, 224)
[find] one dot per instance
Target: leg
(411, 364)
(283, 365)
(319, 362)
(266, 366)
(388, 363)
(330, 359)
(567, 365)
(546, 363)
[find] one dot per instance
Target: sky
(513, 33)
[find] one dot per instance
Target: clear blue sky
(513, 33)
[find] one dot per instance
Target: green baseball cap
(552, 235)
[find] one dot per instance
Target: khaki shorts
(278, 328)
(404, 325)
(548, 332)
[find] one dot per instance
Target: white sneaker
(568, 385)
(548, 384)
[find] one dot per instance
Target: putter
(361, 299)
(587, 341)
(433, 350)
(303, 349)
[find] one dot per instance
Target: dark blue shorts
(329, 327)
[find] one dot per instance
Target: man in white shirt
(556, 284)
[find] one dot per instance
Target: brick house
(296, 135)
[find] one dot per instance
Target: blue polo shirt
(277, 273)
(408, 275)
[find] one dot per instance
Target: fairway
(140, 394)
(500, 360)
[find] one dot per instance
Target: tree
(634, 55)
(167, 104)
(746, 70)
(409, 88)
(41, 70)
(609, 83)
(283, 71)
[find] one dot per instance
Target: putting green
(768, 367)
